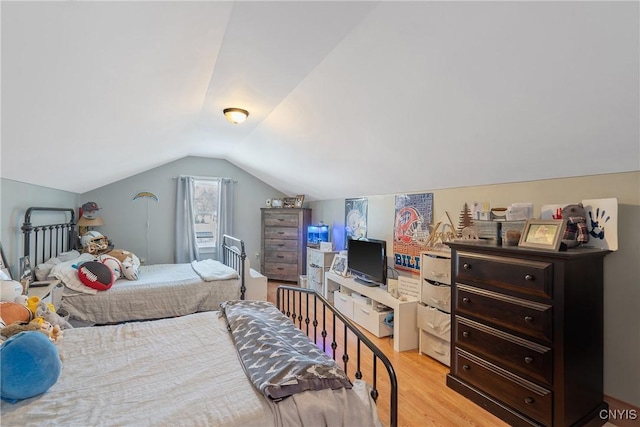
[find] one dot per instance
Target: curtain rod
(203, 177)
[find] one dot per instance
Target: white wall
(621, 268)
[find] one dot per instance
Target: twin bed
(162, 290)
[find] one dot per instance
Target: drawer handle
(466, 266)
(528, 359)
(343, 299)
(442, 352)
(528, 319)
(365, 311)
(280, 268)
(529, 277)
(280, 244)
(280, 232)
(437, 301)
(465, 334)
(466, 367)
(529, 400)
(466, 300)
(280, 219)
(279, 256)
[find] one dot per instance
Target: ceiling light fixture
(235, 115)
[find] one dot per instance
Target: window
(205, 205)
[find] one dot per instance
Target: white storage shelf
(357, 302)
(434, 311)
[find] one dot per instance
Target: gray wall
(126, 220)
(621, 268)
(15, 198)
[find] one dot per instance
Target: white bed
(181, 371)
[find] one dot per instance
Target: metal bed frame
(313, 311)
(42, 242)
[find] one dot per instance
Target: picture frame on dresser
(289, 202)
(299, 201)
(339, 265)
(543, 234)
(276, 203)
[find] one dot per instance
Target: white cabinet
(318, 263)
(50, 293)
(360, 303)
(434, 310)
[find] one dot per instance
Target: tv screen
(367, 261)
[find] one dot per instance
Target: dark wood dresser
(284, 242)
(526, 334)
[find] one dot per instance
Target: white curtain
(225, 213)
(186, 244)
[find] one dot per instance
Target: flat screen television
(367, 261)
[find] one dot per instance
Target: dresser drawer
(434, 321)
(525, 357)
(520, 275)
(282, 256)
(281, 233)
(281, 219)
(435, 347)
(281, 245)
(436, 269)
(436, 295)
(279, 271)
(527, 317)
(526, 397)
(371, 320)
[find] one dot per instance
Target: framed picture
(299, 201)
(289, 202)
(339, 265)
(25, 268)
(276, 203)
(543, 234)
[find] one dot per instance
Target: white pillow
(43, 270)
(68, 274)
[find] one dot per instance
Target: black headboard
(44, 241)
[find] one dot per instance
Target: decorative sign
(409, 286)
(355, 218)
(414, 213)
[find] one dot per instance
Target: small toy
(11, 312)
(576, 232)
(30, 365)
(47, 312)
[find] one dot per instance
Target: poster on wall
(413, 214)
(355, 218)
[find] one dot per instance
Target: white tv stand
(405, 330)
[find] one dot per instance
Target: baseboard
(622, 414)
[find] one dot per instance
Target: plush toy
(38, 325)
(96, 275)
(47, 312)
(11, 312)
(129, 261)
(576, 232)
(30, 365)
(10, 290)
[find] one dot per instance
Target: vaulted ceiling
(345, 98)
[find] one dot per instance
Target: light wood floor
(423, 397)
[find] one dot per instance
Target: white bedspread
(163, 290)
(169, 372)
(209, 270)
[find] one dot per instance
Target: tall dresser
(284, 242)
(526, 340)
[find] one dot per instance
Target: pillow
(67, 272)
(43, 270)
(96, 275)
(113, 263)
(30, 365)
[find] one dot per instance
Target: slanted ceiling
(345, 98)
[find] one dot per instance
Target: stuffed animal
(576, 232)
(129, 261)
(38, 324)
(30, 365)
(46, 312)
(11, 312)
